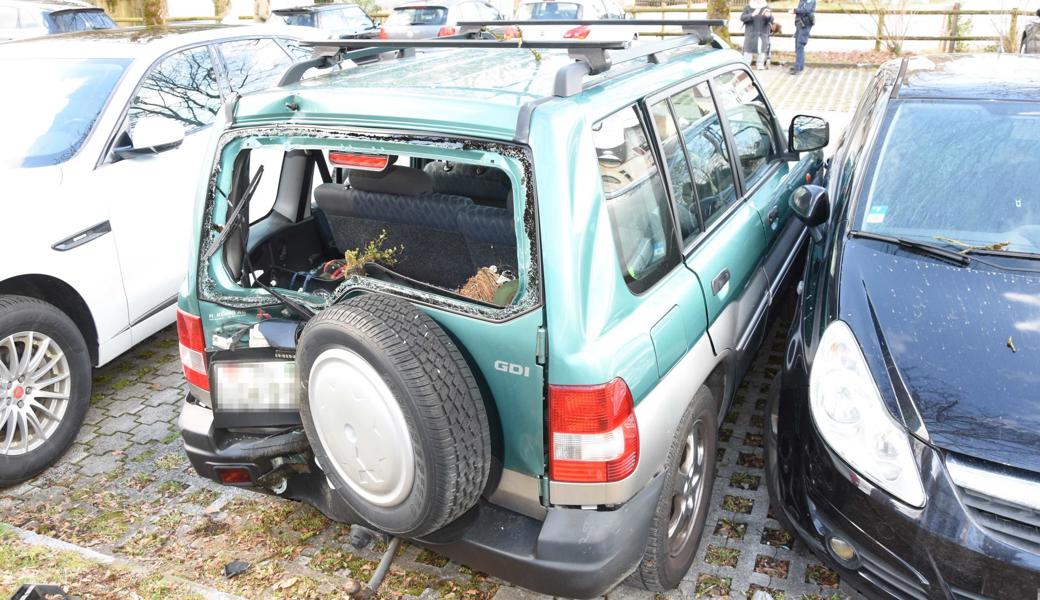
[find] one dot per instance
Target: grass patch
(744, 481)
(428, 557)
(821, 575)
(713, 586)
(733, 530)
(720, 556)
(738, 504)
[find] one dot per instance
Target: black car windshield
(67, 97)
(80, 20)
(963, 173)
(418, 15)
(538, 11)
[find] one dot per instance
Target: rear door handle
(720, 281)
(773, 214)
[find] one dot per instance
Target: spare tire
(393, 414)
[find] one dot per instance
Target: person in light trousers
(804, 19)
(757, 17)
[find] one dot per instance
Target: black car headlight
(852, 419)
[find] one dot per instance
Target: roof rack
(591, 57)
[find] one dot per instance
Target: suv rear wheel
(44, 386)
(683, 506)
(393, 414)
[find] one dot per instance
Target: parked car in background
(21, 19)
(573, 10)
(102, 155)
(904, 437)
(415, 339)
(435, 19)
(340, 21)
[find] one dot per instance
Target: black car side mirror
(808, 133)
(812, 206)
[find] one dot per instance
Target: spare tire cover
(393, 414)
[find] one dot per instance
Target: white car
(570, 10)
(104, 143)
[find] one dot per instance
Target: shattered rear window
(444, 222)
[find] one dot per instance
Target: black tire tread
(446, 392)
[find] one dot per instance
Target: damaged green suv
(493, 296)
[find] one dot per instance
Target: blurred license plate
(257, 386)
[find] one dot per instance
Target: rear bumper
(573, 553)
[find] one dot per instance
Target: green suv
(493, 296)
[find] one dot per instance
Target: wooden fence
(881, 37)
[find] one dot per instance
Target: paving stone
(150, 432)
(96, 465)
(121, 423)
(125, 407)
(515, 593)
(105, 444)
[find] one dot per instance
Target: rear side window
(550, 10)
(750, 121)
(636, 199)
(182, 87)
(253, 65)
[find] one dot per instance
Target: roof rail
(591, 57)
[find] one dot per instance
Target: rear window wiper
(232, 219)
(920, 247)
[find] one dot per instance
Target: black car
(904, 438)
(342, 21)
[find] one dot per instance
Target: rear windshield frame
(215, 285)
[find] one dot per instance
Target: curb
(35, 539)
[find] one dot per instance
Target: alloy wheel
(688, 490)
(35, 386)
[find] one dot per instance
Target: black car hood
(965, 342)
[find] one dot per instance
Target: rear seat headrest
(403, 181)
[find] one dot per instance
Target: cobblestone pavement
(123, 515)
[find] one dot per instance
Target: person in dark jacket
(804, 19)
(757, 17)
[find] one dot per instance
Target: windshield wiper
(921, 247)
(232, 219)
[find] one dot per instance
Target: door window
(636, 199)
(253, 65)
(750, 122)
(686, 211)
(182, 87)
(710, 162)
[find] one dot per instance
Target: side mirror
(808, 133)
(152, 135)
(812, 206)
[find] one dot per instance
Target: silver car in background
(418, 20)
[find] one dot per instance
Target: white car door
(151, 197)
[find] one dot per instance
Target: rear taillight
(578, 33)
(193, 349)
(445, 31)
(382, 34)
(511, 33)
(593, 432)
